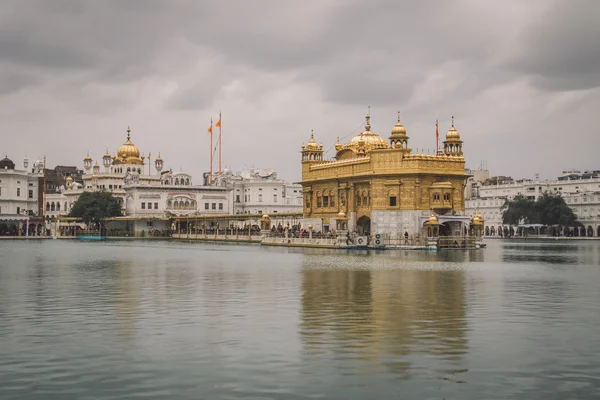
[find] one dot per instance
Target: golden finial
(398, 116)
(453, 121)
(368, 118)
(128, 132)
(312, 134)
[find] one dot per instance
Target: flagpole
(220, 141)
(437, 137)
(211, 155)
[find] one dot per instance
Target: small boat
(91, 237)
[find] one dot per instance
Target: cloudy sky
(521, 78)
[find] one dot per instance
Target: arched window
(48, 206)
(331, 198)
(187, 181)
(365, 202)
(446, 196)
(57, 206)
(343, 199)
(175, 204)
(319, 200)
(65, 206)
(177, 181)
(187, 204)
(169, 203)
(128, 169)
(52, 206)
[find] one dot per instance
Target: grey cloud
(319, 63)
(561, 51)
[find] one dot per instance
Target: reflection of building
(384, 187)
(261, 192)
(581, 192)
(381, 314)
(20, 196)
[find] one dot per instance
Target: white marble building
(146, 193)
(582, 195)
(260, 192)
(20, 198)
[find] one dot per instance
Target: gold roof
(87, 157)
(398, 129)
(452, 133)
(312, 144)
(128, 153)
(433, 220)
(367, 140)
(159, 158)
(477, 219)
(69, 179)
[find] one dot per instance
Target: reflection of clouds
(383, 318)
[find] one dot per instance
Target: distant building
(20, 198)
(257, 191)
(581, 192)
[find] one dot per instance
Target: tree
(553, 210)
(92, 207)
(548, 209)
(517, 210)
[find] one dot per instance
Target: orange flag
(210, 128)
(218, 124)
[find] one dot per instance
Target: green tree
(92, 207)
(548, 209)
(518, 209)
(553, 210)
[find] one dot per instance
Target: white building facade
(261, 192)
(20, 212)
(150, 197)
(582, 195)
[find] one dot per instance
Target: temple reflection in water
(385, 316)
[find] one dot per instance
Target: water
(160, 320)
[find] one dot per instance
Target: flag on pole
(437, 136)
(210, 127)
(218, 124)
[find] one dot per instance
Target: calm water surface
(161, 320)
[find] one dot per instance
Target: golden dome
(433, 220)
(341, 215)
(158, 158)
(69, 179)
(312, 145)
(452, 133)
(265, 217)
(370, 140)
(338, 145)
(398, 129)
(477, 219)
(128, 153)
(87, 158)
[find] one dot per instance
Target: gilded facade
(374, 185)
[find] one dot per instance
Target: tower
(312, 152)
(158, 163)
(453, 144)
(106, 160)
(87, 162)
(399, 139)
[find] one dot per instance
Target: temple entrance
(445, 229)
(363, 225)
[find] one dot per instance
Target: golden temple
(378, 186)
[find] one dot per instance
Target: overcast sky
(521, 78)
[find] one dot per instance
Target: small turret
(453, 143)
